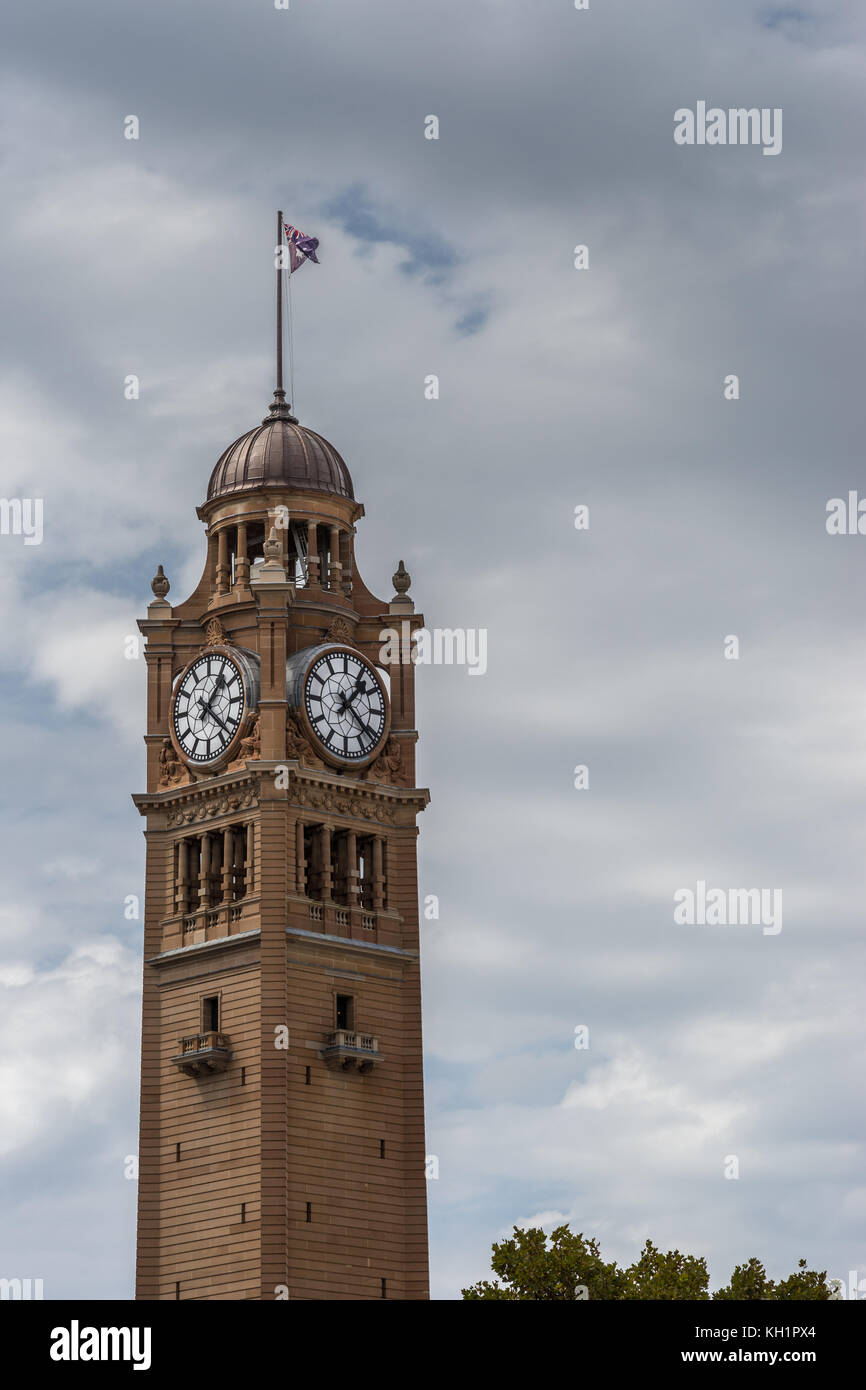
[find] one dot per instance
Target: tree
(671, 1276)
(570, 1269)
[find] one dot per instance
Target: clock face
(345, 703)
(209, 704)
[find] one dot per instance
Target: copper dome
(283, 454)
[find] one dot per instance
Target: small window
(210, 1014)
(381, 1148)
(384, 1288)
(345, 1011)
(308, 1081)
(309, 1211)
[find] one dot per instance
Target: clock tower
(282, 1115)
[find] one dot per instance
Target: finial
(159, 583)
(401, 580)
(279, 409)
(273, 548)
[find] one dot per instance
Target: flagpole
(291, 315)
(279, 301)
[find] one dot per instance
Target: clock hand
(360, 723)
(359, 687)
(210, 713)
(219, 685)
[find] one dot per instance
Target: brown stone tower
(282, 1118)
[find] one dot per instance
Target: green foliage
(805, 1284)
(749, 1283)
(671, 1276)
(568, 1268)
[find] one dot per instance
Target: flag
(301, 248)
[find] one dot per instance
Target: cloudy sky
(558, 387)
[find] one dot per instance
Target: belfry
(282, 1113)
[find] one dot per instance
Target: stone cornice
(309, 788)
(350, 944)
(198, 948)
(197, 801)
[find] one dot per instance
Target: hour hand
(354, 692)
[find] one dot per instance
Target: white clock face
(208, 708)
(345, 704)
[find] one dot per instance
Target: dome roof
(280, 453)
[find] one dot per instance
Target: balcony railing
(346, 1048)
(203, 1052)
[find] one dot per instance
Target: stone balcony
(347, 1049)
(201, 1053)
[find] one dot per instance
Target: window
(210, 1014)
(345, 1012)
(365, 872)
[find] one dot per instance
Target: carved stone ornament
(159, 584)
(339, 631)
(401, 579)
(229, 803)
(251, 745)
(171, 770)
(388, 767)
(298, 746)
(338, 802)
(215, 634)
(273, 548)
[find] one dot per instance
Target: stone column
(204, 872)
(325, 862)
(312, 553)
(300, 875)
(182, 877)
(228, 864)
(335, 569)
(223, 575)
(242, 559)
(250, 858)
(378, 875)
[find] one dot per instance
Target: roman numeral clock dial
(209, 705)
(346, 705)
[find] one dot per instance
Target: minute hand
(360, 722)
(212, 715)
